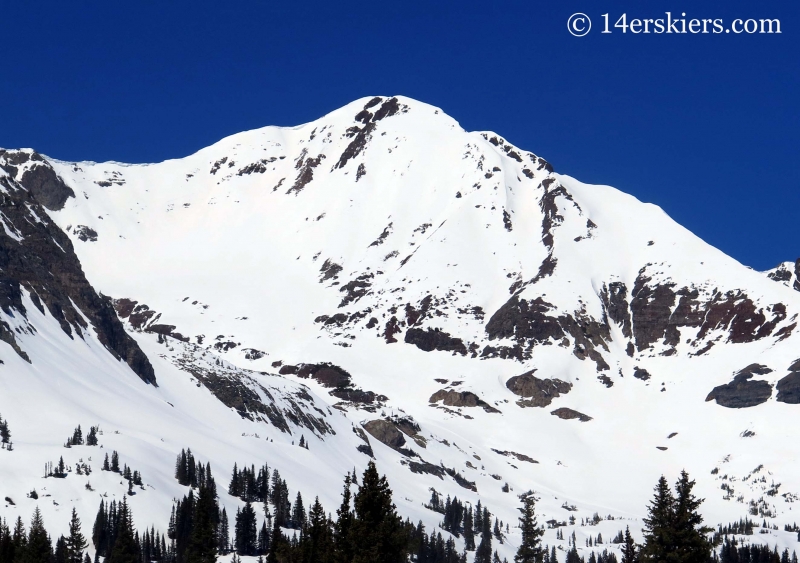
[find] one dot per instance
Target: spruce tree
(124, 549)
(115, 461)
(38, 548)
(342, 531)
(76, 541)
(377, 533)
(692, 544)
(202, 547)
(659, 530)
(318, 545)
(629, 554)
(530, 548)
(223, 533)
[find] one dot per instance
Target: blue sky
(706, 126)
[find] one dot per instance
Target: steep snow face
(476, 318)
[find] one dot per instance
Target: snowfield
(400, 256)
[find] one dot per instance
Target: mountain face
(389, 286)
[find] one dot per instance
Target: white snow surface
(232, 256)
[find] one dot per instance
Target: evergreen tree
(629, 554)
(5, 433)
(469, 532)
(38, 548)
(377, 533)
(60, 551)
(298, 512)
(124, 549)
(659, 530)
(115, 461)
(318, 540)
(692, 545)
(342, 531)
(530, 549)
(223, 533)
(106, 466)
(76, 541)
(202, 546)
(246, 532)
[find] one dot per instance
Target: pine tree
(530, 549)
(690, 535)
(246, 533)
(124, 549)
(343, 527)
(469, 532)
(377, 533)
(106, 466)
(115, 461)
(629, 554)
(76, 541)
(319, 545)
(223, 533)
(5, 433)
(38, 548)
(298, 512)
(202, 546)
(659, 530)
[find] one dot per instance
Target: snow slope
(416, 257)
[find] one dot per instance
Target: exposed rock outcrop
(37, 256)
(453, 398)
(569, 414)
(386, 432)
(789, 386)
(536, 392)
(742, 392)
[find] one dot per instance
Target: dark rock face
(789, 386)
(143, 318)
(569, 414)
(531, 322)
(641, 373)
(520, 457)
(46, 187)
(85, 233)
(615, 302)
(241, 391)
(335, 378)
(435, 339)
(656, 318)
(741, 392)
(386, 433)
(536, 392)
(41, 259)
(797, 275)
(453, 398)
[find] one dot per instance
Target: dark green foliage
(249, 486)
(5, 435)
(629, 553)
(530, 548)
(673, 529)
(732, 552)
(115, 461)
(91, 438)
(76, 541)
(377, 531)
(39, 548)
(125, 548)
(202, 547)
(246, 531)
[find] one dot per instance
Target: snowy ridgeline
(382, 285)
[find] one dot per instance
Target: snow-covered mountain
(388, 285)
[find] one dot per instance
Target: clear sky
(704, 125)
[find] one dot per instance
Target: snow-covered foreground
(418, 258)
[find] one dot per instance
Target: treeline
(732, 552)
(36, 546)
